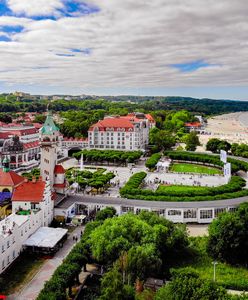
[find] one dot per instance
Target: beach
(231, 127)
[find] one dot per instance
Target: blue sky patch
(191, 66)
(85, 51)
(4, 38)
(4, 10)
(72, 8)
(64, 54)
(12, 29)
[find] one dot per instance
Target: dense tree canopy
(228, 236)
(186, 284)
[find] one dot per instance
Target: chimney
(34, 179)
(25, 179)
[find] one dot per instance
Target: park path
(32, 289)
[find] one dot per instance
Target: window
(7, 244)
(3, 264)
(127, 209)
(206, 214)
(174, 212)
(232, 209)
(3, 248)
(189, 214)
(14, 254)
(218, 211)
(8, 259)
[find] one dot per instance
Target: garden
(108, 156)
(194, 168)
(134, 188)
(131, 248)
(98, 180)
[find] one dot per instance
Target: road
(32, 289)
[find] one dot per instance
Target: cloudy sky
(157, 47)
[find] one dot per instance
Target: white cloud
(133, 43)
(35, 7)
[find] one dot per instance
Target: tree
(5, 118)
(187, 285)
(163, 139)
(192, 141)
(213, 145)
(112, 286)
(228, 236)
(40, 118)
(108, 212)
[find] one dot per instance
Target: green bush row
(208, 159)
(66, 274)
(153, 160)
(233, 189)
(109, 155)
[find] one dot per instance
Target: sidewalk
(32, 289)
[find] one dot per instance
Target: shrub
(153, 160)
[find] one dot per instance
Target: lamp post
(214, 263)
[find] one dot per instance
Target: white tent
(45, 237)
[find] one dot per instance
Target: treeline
(215, 145)
(110, 156)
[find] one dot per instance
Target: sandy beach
(230, 127)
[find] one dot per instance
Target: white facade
(16, 229)
(120, 133)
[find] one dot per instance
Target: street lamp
(214, 263)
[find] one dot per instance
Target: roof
(49, 127)
(10, 178)
(150, 118)
(193, 124)
(113, 123)
(29, 191)
(59, 185)
(4, 135)
(110, 201)
(46, 237)
(31, 145)
(59, 169)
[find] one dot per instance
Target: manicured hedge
(113, 156)
(207, 159)
(153, 160)
(233, 189)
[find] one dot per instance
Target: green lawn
(193, 168)
(20, 273)
(226, 275)
(180, 188)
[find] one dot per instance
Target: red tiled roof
(193, 124)
(150, 118)
(37, 125)
(29, 191)
(60, 185)
(10, 178)
(113, 123)
(59, 169)
(31, 145)
(4, 135)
